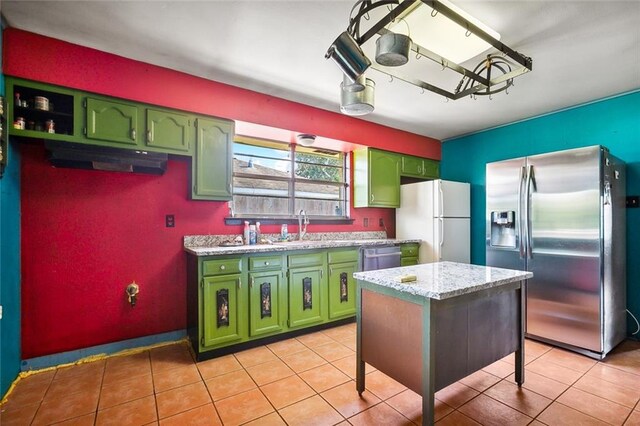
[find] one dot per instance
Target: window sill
(288, 221)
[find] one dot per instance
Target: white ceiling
(581, 50)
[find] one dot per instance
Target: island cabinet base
(428, 344)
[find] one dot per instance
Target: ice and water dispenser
(503, 229)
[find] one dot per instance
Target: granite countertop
(291, 245)
(443, 280)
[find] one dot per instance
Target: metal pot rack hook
(467, 34)
(366, 16)
(422, 91)
(443, 65)
(434, 13)
(390, 79)
(418, 56)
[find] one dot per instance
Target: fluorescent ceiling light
(440, 34)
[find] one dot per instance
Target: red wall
(87, 234)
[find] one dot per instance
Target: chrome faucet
(302, 219)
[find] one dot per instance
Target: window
(277, 180)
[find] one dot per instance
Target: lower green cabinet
(222, 310)
(408, 261)
(342, 290)
(305, 296)
(265, 304)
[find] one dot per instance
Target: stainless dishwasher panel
(380, 258)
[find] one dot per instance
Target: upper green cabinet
(168, 130)
(377, 176)
(112, 121)
(419, 167)
(213, 168)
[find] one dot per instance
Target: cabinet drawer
(409, 250)
(262, 263)
(341, 256)
(308, 259)
(221, 266)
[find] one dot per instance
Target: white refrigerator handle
(441, 195)
(441, 238)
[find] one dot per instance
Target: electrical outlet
(381, 223)
(365, 222)
(170, 221)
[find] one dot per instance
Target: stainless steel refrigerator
(438, 213)
(561, 216)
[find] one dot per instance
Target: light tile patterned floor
(310, 381)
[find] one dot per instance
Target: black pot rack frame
(519, 63)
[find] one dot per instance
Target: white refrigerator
(438, 213)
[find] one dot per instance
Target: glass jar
(49, 126)
(19, 123)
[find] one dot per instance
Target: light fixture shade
(305, 139)
(357, 103)
(346, 53)
(392, 49)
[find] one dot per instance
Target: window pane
(260, 187)
(263, 206)
(318, 190)
(280, 151)
(320, 207)
(261, 166)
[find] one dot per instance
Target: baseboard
(70, 357)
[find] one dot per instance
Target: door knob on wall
(132, 291)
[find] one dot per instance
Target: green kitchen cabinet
(213, 169)
(421, 168)
(306, 287)
(342, 290)
(265, 302)
(222, 311)
(376, 178)
(168, 130)
(61, 111)
(409, 254)
(112, 121)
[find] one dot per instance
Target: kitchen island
(449, 322)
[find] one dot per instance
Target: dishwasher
(373, 258)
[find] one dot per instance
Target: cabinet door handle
(239, 283)
(373, 197)
(320, 273)
(229, 188)
(251, 283)
(149, 136)
(266, 263)
(133, 134)
(330, 271)
(222, 267)
(419, 169)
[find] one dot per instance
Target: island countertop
(443, 280)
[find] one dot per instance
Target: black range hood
(92, 157)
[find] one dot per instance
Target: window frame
(292, 180)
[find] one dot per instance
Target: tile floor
(310, 381)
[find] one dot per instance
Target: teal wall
(9, 266)
(614, 123)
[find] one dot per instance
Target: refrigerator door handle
(441, 238)
(441, 195)
(520, 218)
(527, 208)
